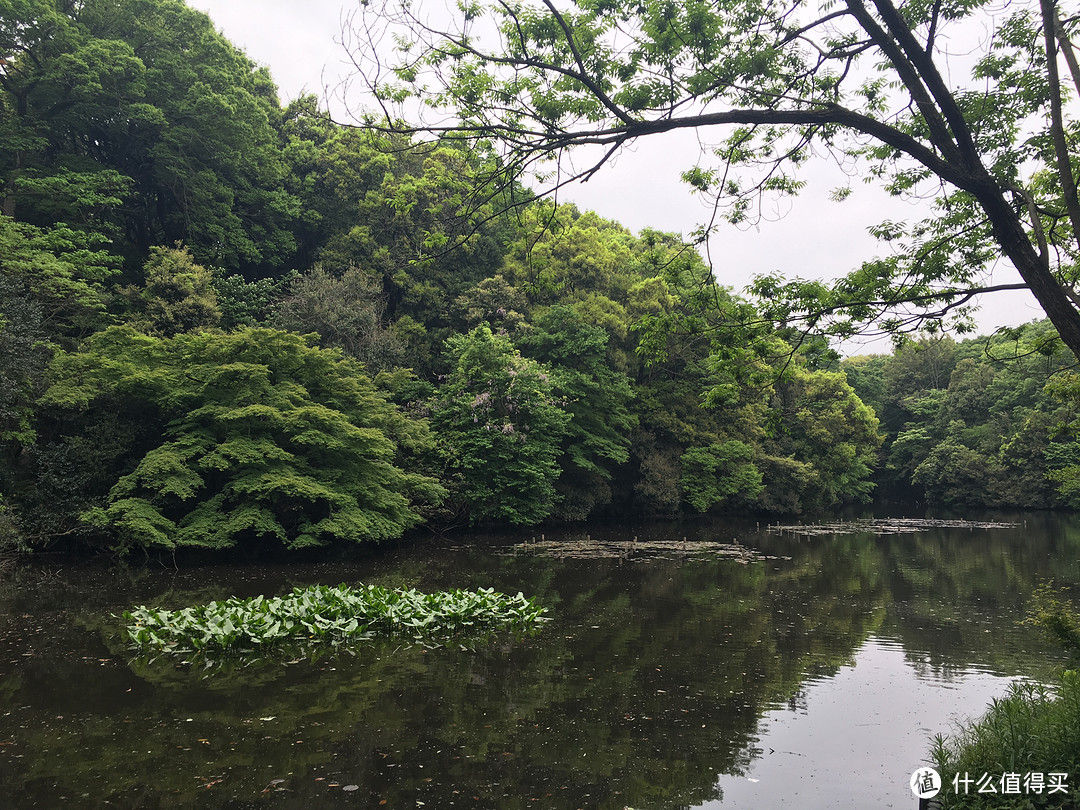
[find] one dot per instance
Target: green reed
(1033, 729)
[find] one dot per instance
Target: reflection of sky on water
(853, 740)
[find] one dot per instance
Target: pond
(803, 672)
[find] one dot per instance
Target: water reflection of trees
(648, 684)
(956, 594)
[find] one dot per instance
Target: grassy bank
(1020, 745)
(1025, 751)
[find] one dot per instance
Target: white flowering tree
(500, 430)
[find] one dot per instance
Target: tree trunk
(1015, 244)
(9, 191)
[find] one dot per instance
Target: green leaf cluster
(333, 615)
(177, 294)
(718, 473)
(139, 121)
(1052, 611)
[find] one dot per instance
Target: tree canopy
(501, 429)
(140, 121)
(262, 436)
(967, 102)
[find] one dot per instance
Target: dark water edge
(665, 680)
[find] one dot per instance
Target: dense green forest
(986, 422)
(226, 322)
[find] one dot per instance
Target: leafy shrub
(719, 473)
(1052, 611)
(264, 437)
(500, 428)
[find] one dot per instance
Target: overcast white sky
(813, 238)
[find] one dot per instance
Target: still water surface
(813, 678)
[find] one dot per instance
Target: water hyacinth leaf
(333, 615)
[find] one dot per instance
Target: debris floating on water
(883, 526)
(592, 548)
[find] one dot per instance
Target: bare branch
(1057, 125)
(1068, 51)
(909, 74)
(798, 33)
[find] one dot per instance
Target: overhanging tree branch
(566, 76)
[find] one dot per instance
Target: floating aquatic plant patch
(634, 548)
(332, 615)
(883, 526)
